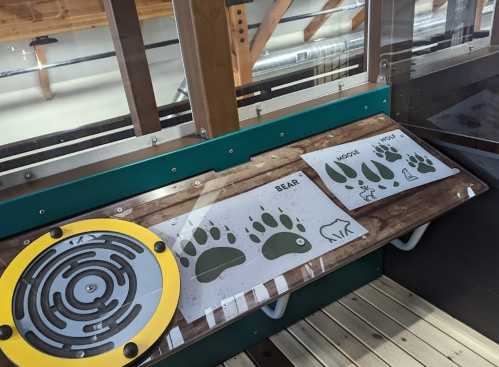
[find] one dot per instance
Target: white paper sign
(372, 169)
(237, 244)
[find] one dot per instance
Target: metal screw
(385, 101)
(197, 183)
(159, 247)
(56, 233)
(231, 151)
(130, 350)
(282, 134)
(203, 133)
(91, 288)
(28, 175)
(366, 108)
(340, 86)
(80, 354)
(41, 211)
(26, 242)
(119, 210)
(259, 110)
(154, 141)
(5, 332)
(173, 170)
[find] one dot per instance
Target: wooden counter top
(386, 219)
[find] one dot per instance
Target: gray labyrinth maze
(87, 295)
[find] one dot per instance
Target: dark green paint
(286, 221)
(190, 249)
(369, 174)
(384, 171)
(335, 175)
(200, 236)
(88, 193)
(215, 261)
(269, 220)
(347, 170)
(239, 336)
(283, 243)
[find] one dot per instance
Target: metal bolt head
(231, 151)
(56, 233)
(160, 247)
(26, 242)
(173, 170)
(282, 134)
(41, 211)
(203, 133)
(154, 141)
(197, 183)
(28, 175)
(5, 332)
(130, 350)
(119, 210)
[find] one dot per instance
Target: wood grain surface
(386, 219)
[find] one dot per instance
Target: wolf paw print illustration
(211, 251)
(278, 235)
(389, 153)
(338, 230)
(422, 164)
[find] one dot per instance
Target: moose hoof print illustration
(423, 165)
(389, 153)
(279, 235)
(219, 255)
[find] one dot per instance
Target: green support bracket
(72, 198)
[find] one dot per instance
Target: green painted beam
(79, 196)
(242, 334)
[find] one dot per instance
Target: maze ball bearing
(92, 293)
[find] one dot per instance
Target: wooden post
(494, 31)
(243, 68)
(43, 74)
(373, 36)
(267, 28)
(131, 55)
(317, 22)
(204, 38)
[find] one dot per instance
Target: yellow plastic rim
(23, 354)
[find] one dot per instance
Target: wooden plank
(377, 343)
(453, 350)
(405, 340)
(208, 64)
(438, 4)
(318, 21)
(266, 353)
(30, 19)
(316, 344)
(241, 360)
(385, 220)
(480, 4)
(240, 44)
(373, 35)
(446, 323)
(134, 68)
(494, 31)
(43, 74)
(344, 341)
(294, 351)
(267, 28)
(358, 19)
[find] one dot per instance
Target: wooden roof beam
(358, 19)
(317, 22)
(267, 28)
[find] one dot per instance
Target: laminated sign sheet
(372, 169)
(237, 244)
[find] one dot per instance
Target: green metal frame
(75, 197)
(256, 327)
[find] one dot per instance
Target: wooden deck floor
(381, 324)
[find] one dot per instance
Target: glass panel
(445, 81)
(315, 42)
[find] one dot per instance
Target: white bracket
(279, 309)
(413, 240)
